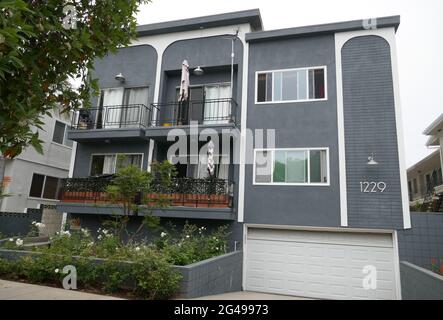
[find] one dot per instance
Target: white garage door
(325, 265)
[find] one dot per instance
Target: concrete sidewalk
(10, 290)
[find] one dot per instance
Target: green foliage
(140, 268)
(193, 244)
(39, 53)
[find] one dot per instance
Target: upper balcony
(141, 122)
(217, 114)
(117, 122)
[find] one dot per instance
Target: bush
(144, 268)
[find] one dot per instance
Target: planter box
(217, 275)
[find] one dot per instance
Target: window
(112, 163)
(45, 187)
(415, 185)
(291, 85)
(60, 135)
(291, 166)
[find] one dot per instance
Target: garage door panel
(321, 270)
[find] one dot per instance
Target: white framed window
(291, 167)
(112, 163)
(60, 135)
(44, 187)
(291, 85)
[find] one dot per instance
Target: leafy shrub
(145, 268)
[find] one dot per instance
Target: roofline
(383, 22)
(422, 161)
(433, 125)
(252, 17)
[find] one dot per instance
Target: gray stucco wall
(424, 241)
(369, 121)
(82, 165)
(420, 284)
(137, 63)
(297, 125)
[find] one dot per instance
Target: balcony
(120, 122)
(186, 198)
(215, 113)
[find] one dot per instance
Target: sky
(420, 51)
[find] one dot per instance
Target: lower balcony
(185, 198)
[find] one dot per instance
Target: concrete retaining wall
(212, 276)
(420, 284)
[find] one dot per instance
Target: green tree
(44, 44)
(132, 189)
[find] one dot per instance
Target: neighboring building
(425, 178)
(32, 179)
(313, 212)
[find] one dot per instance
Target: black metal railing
(204, 112)
(188, 192)
(108, 117)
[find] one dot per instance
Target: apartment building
(309, 170)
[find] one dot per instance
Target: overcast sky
(420, 49)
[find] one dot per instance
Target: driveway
(248, 295)
(23, 291)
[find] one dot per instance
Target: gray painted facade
(297, 125)
(369, 122)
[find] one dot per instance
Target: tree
(133, 189)
(44, 44)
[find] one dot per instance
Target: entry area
(320, 264)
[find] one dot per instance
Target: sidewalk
(22, 291)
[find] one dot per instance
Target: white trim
(341, 134)
(325, 68)
(243, 131)
(306, 184)
(397, 265)
(43, 199)
(389, 35)
(115, 154)
(61, 145)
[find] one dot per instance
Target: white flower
(19, 242)
(105, 231)
(137, 248)
(90, 244)
(11, 239)
(163, 234)
(65, 233)
(216, 248)
(85, 232)
(34, 222)
(187, 237)
(99, 237)
(40, 225)
(56, 270)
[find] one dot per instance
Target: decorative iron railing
(109, 117)
(204, 112)
(187, 192)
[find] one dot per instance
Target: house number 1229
(372, 187)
